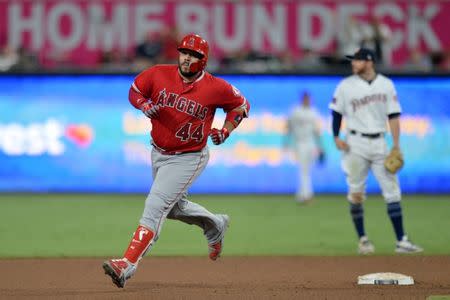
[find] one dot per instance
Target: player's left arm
(237, 108)
(233, 118)
(394, 125)
(394, 159)
(394, 111)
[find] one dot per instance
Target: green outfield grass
(101, 225)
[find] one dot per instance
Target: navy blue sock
(394, 211)
(357, 212)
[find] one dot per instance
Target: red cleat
(215, 249)
(119, 270)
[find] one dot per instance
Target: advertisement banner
(80, 31)
(80, 134)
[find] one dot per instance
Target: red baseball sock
(140, 242)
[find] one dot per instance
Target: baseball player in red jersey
(181, 102)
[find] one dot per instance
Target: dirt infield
(229, 278)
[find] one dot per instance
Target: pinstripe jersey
(366, 105)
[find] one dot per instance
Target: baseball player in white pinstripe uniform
(368, 100)
(304, 128)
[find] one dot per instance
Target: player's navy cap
(363, 54)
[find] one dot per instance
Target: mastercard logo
(82, 135)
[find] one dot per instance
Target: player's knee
(148, 223)
(174, 213)
(356, 198)
(392, 197)
(394, 209)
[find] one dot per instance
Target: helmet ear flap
(198, 66)
(202, 63)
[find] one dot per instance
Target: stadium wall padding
(78, 133)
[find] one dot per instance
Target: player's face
(359, 66)
(306, 100)
(185, 59)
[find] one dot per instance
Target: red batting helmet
(196, 43)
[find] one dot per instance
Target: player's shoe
(120, 270)
(304, 200)
(215, 249)
(365, 246)
(406, 246)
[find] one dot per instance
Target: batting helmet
(196, 43)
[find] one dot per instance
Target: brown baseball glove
(394, 161)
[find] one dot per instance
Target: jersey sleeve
(143, 83)
(232, 98)
(393, 105)
(337, 104)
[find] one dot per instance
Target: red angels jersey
(187, 109)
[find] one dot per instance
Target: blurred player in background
(303, 128)
(368, 100)
(180, 101)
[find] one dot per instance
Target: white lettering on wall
(419, 27)
(273, 27)
(236, 39)
(193, 18)
(18, 24)
(304, 26)
(34, 139)
(344, 13)
(104, 34)
(227, 26)
(55, 36)
(393, 12)
(149, 18)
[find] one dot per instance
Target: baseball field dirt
(297, 277)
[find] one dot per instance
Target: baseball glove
(394, 161)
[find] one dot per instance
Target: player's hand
(218, 136)
(150, 110)
(341, 145)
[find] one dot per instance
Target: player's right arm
(135, 97)
(337, 109)
(139, 94)
(394, 125)
(394, 111)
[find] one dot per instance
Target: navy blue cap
(362, 54)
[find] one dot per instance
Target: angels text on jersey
(182, 104)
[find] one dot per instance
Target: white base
(385, 278)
